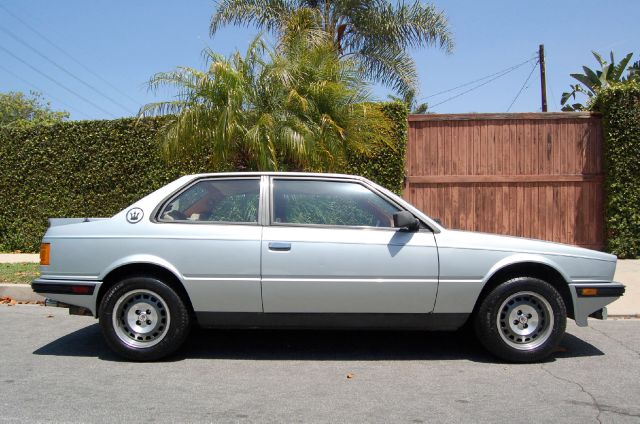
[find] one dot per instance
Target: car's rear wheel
(143, 319)
(521, 320)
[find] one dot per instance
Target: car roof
(277, 174)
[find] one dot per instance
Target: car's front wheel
(521, 320)
(143, 319)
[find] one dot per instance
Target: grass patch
(20, 273)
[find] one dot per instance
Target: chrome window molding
(325, 226)
(154, 216)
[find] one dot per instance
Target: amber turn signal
(589, 292)
(45, 252)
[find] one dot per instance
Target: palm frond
(392, 67)
(173, 107)
(402, 25)
(268, 14)
(618, 70)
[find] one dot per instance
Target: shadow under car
(312, 345)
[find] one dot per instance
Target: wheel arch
(144, 268)
(527, 267)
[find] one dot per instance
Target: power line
(63, 69)
(58, 83)
(477, 86)
(10, 72)
(514, 67)
(136, 102)
(523, 85)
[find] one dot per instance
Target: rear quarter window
(231, 201)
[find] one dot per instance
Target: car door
(210, 231)
(331, 248)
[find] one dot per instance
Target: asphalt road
(56, 367)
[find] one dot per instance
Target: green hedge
(96, 168)
(386, 166)
(620, 108)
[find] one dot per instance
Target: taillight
(82, 289)
(45, 253)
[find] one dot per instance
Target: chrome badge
(135, 215)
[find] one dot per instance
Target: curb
(20, 293)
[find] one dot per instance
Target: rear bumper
(589, 302)
(66, 287)
(80, 293)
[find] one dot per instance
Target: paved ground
(56, 367)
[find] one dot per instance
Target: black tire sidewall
(486, 319)
(178, 326)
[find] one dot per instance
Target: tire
(521, 320)
(143, 319)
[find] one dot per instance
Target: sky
(94, 58)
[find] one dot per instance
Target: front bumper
(592, 300)
(80, 293)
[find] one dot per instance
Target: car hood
(485, 241)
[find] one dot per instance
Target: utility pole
(543, 78)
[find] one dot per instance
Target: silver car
(297, 250)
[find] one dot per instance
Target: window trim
(270, 221)
(155, 214)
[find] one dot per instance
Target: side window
(329, 203)
(215, 201)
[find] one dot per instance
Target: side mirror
(405, 221)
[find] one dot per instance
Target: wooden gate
(535, 175)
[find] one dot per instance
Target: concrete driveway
(56, 367)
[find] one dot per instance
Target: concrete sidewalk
(14, 258)
(19, 292)
(627, 273)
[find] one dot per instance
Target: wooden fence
(537, 175)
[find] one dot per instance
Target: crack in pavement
(608, 408)
(615, 340)
(600, 407)
(593, 399)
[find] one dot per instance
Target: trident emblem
(135, 215)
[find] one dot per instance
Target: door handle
(279, 246)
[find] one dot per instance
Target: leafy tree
(297, 102)
(374, 34)
(592, 81)
(18, 110)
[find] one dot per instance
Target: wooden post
(543, 78)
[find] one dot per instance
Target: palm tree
(295, 105)
(593, 81)
(373, 33)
